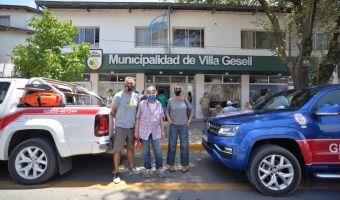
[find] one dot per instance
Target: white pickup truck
(42, 126)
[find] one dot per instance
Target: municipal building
(219, 49)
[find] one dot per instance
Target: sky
(31, 3)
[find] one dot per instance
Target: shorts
(123, 136)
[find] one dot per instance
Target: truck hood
(247, 116)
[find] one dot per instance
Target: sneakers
(116, 178)
(161, 172)
(147, 173)
(134, 170)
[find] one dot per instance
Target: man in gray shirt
(123, 110)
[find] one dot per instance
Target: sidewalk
(195, 135)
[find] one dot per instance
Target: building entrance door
(165, 88)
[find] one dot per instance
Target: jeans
(157, 150)
(183, 132)
(205, 113)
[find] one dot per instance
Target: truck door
(326, 131)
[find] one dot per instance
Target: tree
(329, 12)
(305, 17)
(302, 14)
(42, 54)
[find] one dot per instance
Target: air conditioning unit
(290, 79)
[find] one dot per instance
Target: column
(94, 78)
(140, 82)
(199, 87)
(244, 90)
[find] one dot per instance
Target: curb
(192, 147)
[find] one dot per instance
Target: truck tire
(274, 171)
(33, 161)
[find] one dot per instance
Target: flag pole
(169, 47)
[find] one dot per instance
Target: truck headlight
(228, 130)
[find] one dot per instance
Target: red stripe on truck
(320, 151)
(6, 120)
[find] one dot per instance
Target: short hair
(151, 90)
(161, 91)
(263, 91)
(129, 78)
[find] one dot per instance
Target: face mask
(129, 88)
(177, 91)
(152, 97)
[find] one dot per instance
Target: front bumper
(221, 151)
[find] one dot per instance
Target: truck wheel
(274, 171)
(33, 161)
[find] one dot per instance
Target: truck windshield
(288, 100)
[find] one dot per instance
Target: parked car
(293, 132)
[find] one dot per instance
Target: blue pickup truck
(292, 132)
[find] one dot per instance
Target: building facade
(220, 50)
(13, 31)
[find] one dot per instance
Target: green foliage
(42, 54)
(304, 19)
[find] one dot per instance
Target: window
(257, 40)
(188, 38)
(292, 99)
(320, 41)
(191, 79)
(258, 79)
(86, 77)
(177, 79)
(115, 77)
(108, 77)
(151, 38)
(149, 79)
(162, 79)
(4, 86)
(332, 97)
(231, 79)
(278, 79)
(4, 20)
(213, 78)
(90, 35)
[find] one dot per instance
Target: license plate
(205, 137)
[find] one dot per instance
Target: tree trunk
(300, 74)
(300, 71)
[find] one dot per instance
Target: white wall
(18, 17)
(117, 29)
(8, 40)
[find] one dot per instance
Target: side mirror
(328, 110)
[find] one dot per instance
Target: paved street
(91, 178)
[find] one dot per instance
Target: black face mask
(177, 93)
(129, 88)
